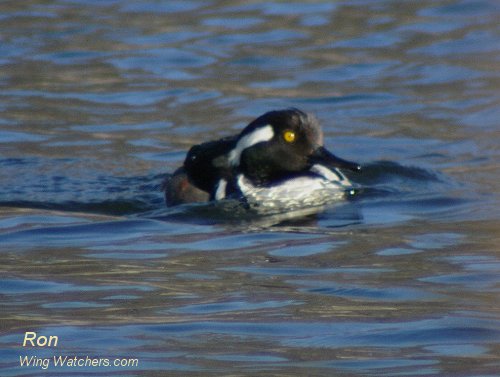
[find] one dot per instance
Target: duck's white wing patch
(220, 193)
(258, 135)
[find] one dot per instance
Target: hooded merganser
(276, 164)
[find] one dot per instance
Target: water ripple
(101, 100)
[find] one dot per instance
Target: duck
(277, 163)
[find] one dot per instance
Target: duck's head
(282, 143)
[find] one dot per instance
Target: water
(101, 99)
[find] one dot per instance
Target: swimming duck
(276, 164)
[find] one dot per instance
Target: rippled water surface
(100, 100)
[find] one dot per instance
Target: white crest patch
(258, 135)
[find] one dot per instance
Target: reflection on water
(100, 101)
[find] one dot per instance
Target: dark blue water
(99, 102)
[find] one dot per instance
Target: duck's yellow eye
(289, 136)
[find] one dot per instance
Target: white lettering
(34, 361)
(30, 337)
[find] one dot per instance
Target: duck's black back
(207, 163)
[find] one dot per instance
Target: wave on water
(105, 195)
(385, 185)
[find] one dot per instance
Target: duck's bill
(322, 156)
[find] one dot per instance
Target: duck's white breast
(295, 193)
